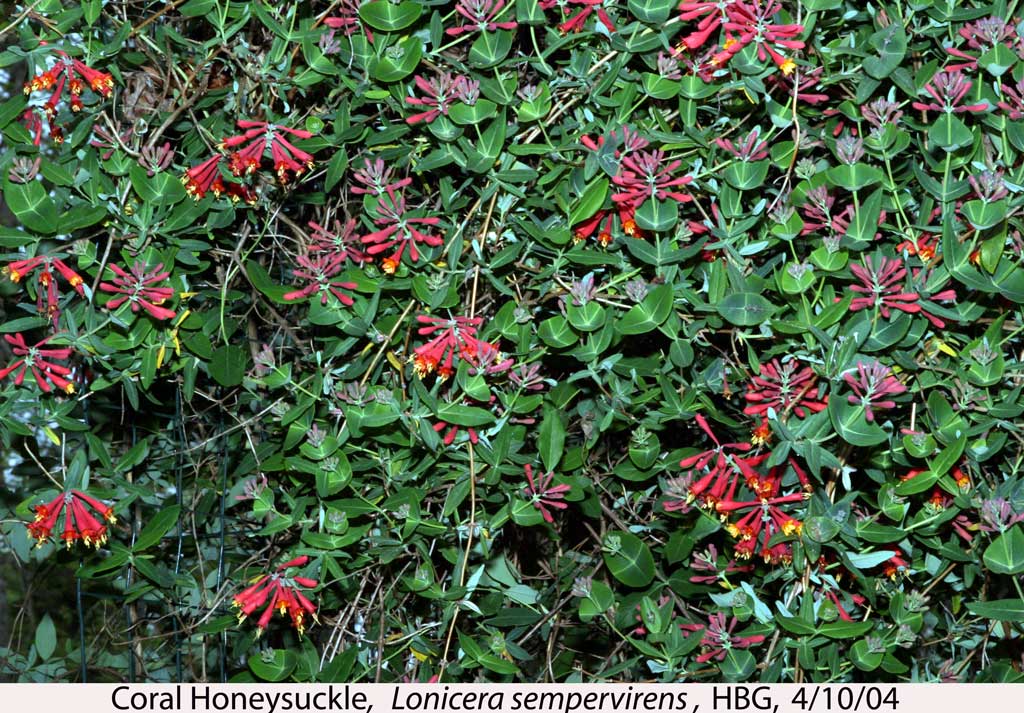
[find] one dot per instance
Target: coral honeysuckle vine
(512, 340)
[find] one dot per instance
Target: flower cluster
(543, 494)
(481, 16)
(744, 23)
(45, 268)
(37, 359)
(872, 386)
(717, 637)
(576, 13)
(785, 387)
(79, 522)
(718, 477)
(138, 288)
(71, 74)
(245, 155)
(452, 337)
(399, 231)
(279, 593)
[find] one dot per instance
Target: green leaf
(863, 658)
(652, 12)
(745, 309)
(1005, 555)
(489, 48)
(590, 201)
(649, 314)
(460, 415)
(854, 177)
(46, 638)
(551, 438)
(399, 60)
(227, 365)
(273, 665)
(656, 215)
(628, 559)
(845, 629)
(163, 188)
(157, 527)
(865, 220)
(999, 609)
(891, 44)
(851, 423)
(556, 332)
(383, 15)
(738, 665)
(32, 206)
(820, 528)
(950, 133)
(464, 114)
(982, 215)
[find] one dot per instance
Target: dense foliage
(512, 340)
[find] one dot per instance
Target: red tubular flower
(801, 85)
(750, 149)
(284, 595)
(481, 15)
(714, 15)
(34, 125)
(137, 288)
(342, 240)
(398, 229)
(718, 638)
(543, 494)
(73, 74)
(347, 20)
(895, 566)
(982, 36)
(578, 20)
(785, 387)
(1013, 102)
(258, 138)
(947, 89)
(588, 227)
(320, 272)
(377, 178)
(80, 524)
(38, 360)
(751, 23)
(880, 287)
(873, 382)
(47, 282)
(440, 92)
(456, 336)
(453, 431)
(644, 175)
(930, 294)
(629, 141)
(201, 179)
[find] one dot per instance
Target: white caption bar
(512, 698)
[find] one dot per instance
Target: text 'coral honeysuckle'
(137, 287)
(280, 593)
(79, 522)
(38, 359)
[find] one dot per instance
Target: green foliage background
(251, 428)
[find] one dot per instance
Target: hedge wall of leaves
(512, 340)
